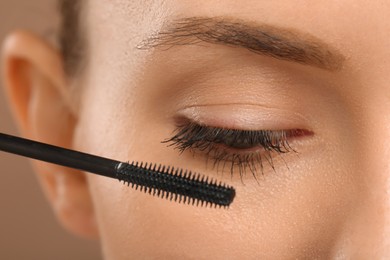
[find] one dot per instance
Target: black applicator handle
(58, 155)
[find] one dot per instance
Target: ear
(40, 100)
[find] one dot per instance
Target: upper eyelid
(242, 117)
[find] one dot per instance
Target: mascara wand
(165, 182)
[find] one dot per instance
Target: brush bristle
(175, 184)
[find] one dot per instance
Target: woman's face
(317, 66)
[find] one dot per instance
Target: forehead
(125, 24)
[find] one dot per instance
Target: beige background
(28, 228)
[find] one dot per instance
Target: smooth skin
(331, 202)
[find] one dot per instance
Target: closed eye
(238, 149)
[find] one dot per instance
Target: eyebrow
(281, 43)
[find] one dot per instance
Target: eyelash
(231, 145)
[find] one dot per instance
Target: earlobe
(39, 98)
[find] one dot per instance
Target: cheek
(294, 221)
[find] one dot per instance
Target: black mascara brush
(171, 183)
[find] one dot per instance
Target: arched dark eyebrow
(280, 43)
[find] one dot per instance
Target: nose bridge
(369, 234)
